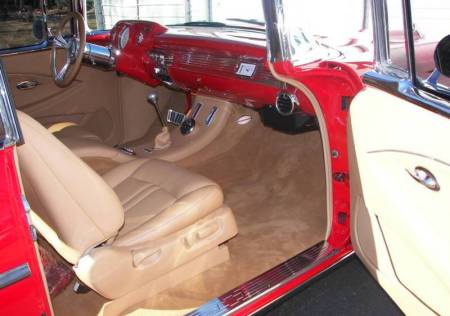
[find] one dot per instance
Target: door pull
(424, 177)
(27, 84)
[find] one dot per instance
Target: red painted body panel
(333, 83)
(28, 296)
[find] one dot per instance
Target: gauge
(124, 37)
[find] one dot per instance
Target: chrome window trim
(387, 77)
(12, 134)
(276, 41)
(404, 89)
(44, 45)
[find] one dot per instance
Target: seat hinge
(27, 209)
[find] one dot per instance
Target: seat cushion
(160, 198)
(66, 194)
(85, 144)
(74, 131)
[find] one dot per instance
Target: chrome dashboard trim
(263, 284)
(207, 62)
(10, 133)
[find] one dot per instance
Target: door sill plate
(249, 291)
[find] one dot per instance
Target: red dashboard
(225, 63)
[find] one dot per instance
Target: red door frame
(27, 296)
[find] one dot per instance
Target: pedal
(175, 118)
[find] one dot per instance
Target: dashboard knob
(187, 126)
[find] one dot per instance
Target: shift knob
(152, 98)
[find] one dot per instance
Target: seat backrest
(66, 194)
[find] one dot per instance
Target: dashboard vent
(286, 103)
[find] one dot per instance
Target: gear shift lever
(152, 98)
(162, 140)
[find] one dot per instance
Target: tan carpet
(275, 185)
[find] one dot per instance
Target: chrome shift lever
(152, 98)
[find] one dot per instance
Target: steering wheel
(74, 48)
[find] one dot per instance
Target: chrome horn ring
(74, 48)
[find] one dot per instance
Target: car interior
(156, 215)
(165, 165)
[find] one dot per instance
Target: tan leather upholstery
(55, 180)
(74, 131)
(142, 220)
(84, 143)
(160, 199)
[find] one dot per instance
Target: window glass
(431, 21)
(103, 14)
(56, 10)
(397, 42)
(21, 21)
(16, 26)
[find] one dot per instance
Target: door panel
(113, 107)
(400, 228)
(92, 100)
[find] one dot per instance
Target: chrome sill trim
(270, 280)
(14, 275)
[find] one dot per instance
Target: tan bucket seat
(86, 144)
(141, 220)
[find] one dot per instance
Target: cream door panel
(400, 228)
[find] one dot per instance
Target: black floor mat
(347, 290)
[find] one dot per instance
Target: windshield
(103, 14)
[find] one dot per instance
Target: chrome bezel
(294, 101)
(11, 134)
(125, 30)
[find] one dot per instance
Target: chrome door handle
(27, 84)
(424, 177)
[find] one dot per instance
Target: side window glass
(397, 40)
(56, 10)
(19, 24)
(431, 21)
(22, 21)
